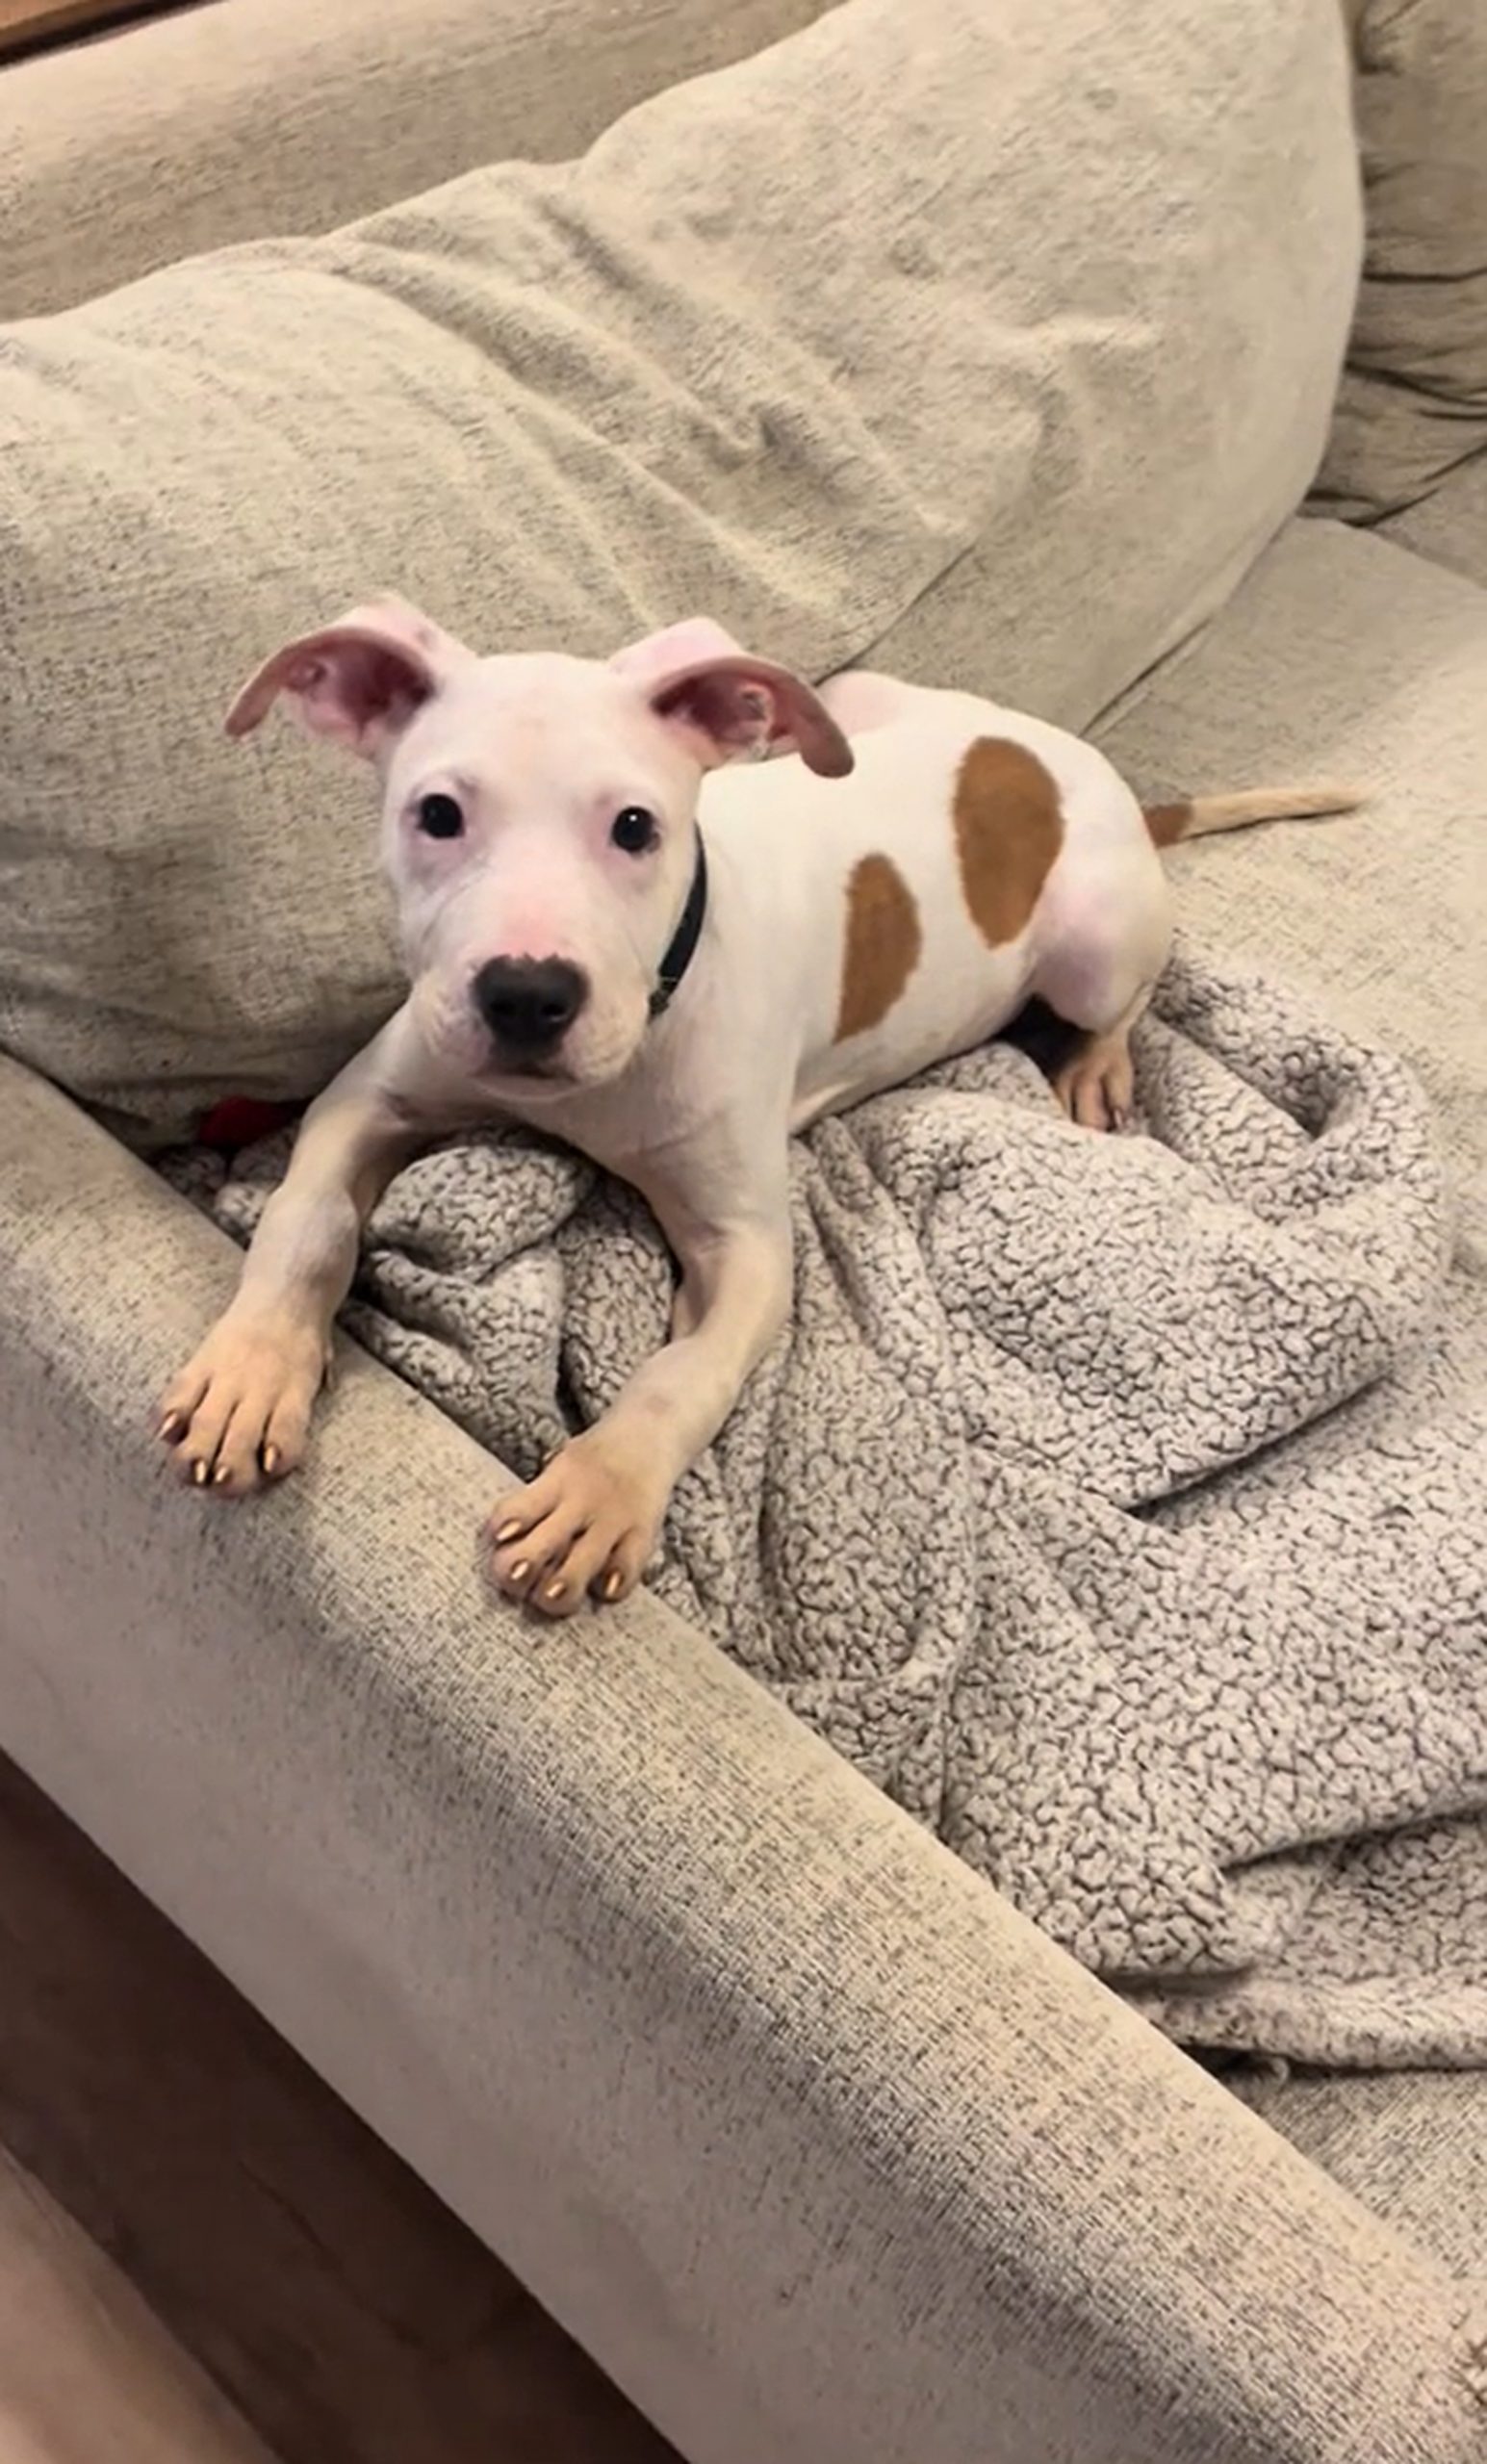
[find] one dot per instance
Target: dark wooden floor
(336, 2300)
(27, 25)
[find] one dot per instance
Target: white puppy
(672, 964)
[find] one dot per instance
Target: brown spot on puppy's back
(1008, 827)
(881, 947)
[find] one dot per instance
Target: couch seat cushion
(1412, 2144)
(1347, 657)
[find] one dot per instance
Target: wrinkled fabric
(1068, 1510)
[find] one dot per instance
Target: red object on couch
(238, 1121)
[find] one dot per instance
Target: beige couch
(822, 2149)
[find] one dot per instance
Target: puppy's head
(539, 818)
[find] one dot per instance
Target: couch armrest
(1450, 526)
(826, 2154)
(250, 118)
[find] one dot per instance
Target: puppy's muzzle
(529, 1005)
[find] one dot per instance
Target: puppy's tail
(1199, 815)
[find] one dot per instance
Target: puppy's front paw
(238, 1413)
(585, 1527)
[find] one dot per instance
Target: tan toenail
(519, 1571)
(512, 1530)
(220, 1477)
(613, 1584)
(554, 1591)
(172, 1427)
(201, 1472)
(270, 1460)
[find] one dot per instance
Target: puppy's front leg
(589, 1523)
(239, 1412)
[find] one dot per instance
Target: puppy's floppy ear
(731, 702)
(676, 646)
(357, 682)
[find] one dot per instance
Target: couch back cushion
(1413, 400)
(276, 117)
(1041, 309)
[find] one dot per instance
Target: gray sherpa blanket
(1119, 1505)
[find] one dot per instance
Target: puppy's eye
(634, 829)
(439, 817)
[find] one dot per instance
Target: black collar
(681, 948)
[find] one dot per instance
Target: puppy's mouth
(545, 1077)
(527, 1060)
(531, 1070)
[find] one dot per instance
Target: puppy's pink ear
(685, 645)
(731, 703)
(357, 682)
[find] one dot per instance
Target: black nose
(529, 1003)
